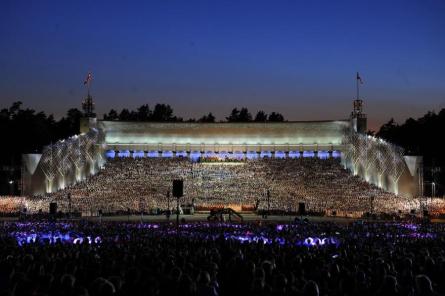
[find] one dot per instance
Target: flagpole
(358, 93)
(88, 87)
(88, 104)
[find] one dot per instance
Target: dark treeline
(243, 115)
(422, 136)
(24, 130)
(164, 113)
(160, 113)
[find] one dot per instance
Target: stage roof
(280, 133)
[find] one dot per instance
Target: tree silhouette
(112, 115)
(242, 115)
(234, 115)
(276, 117)
(261, 116)
(125, 115)
(162, 112)
(421, 137)
(143, 113)
(207, 118)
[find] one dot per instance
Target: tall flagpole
(88, 105)
(359, 119)
(358, 92)
(88, 83)
(88, 88)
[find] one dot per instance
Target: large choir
(144, 184)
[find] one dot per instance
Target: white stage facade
(75, 159)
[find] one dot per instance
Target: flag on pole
(359, 78)
(88, 79)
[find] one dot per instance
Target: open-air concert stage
(331, 167)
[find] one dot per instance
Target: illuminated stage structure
(224, 139)
(78, 157)
(63, 163)
(74, 159)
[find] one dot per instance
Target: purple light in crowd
(43, 233)
(53, 237)
(410, 226)
(149, 226)
(316, 241)
(422, 235)
(250, 239)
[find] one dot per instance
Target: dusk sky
(295, 57)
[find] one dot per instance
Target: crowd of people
(210, 259)
(11, 204)
(143, 184)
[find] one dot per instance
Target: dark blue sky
(295, 57)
